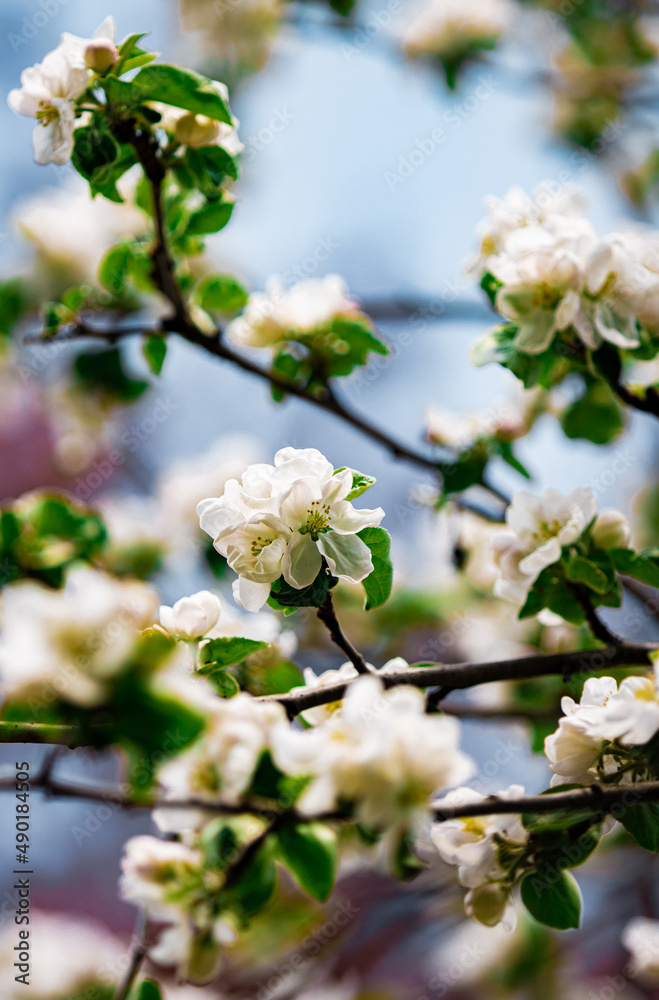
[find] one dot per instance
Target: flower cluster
(555, 279)
(483, 848)
(50, 89)
(71, 643)
(287, 520)
(379, 752)
(595, 737)
(169, 881)
(454, 31)
(547, 529)
(314, 328)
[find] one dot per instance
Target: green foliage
(285, 598)
(13, 304)
(42, 534)
(182, 88)
(221, 293)
(643, 566)
(642, 822)
(360, 483)
(154, 349)
(218, 654)
(103, 371)
(210, 218)
(553, 898)
(377, 585)
(596, 415)
(148, 989)
(309, 851)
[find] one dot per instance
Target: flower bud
(101, 54)
(610, 530)
(204, 959)
(197, 130)
(487, 903)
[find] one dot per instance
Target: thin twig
(466, 675)
(327, 616)
(137, 957)
(599, 629)
(649, 403)
(600, 799)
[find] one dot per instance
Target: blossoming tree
(270, 768)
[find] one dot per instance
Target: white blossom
(641, 937)
(240, 34)
(282, 313)
(450, 27)
(48, 92)
(219, 766)
(381, 752)
(191, 617)
(283, 520)
(542, 526)
(71, 641)
(628, 714)
(474, 845)
(346, 672)
(75, 956)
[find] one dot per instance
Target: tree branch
(649, 403)
(600, 799)
(327, 616)
(41, 732)
(137, 957)
(466, 675)
(595, 623)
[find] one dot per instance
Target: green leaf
(310, 853)
(221, 293)
(377, 584)
(225, 685)
(643, 566)
(154, 350)
(553, 899)
(507, 454)
(104, 371)
(491, 286)
(147, 990)
(93, 149)
(210, 218)
(642, 821)
(113, 269)
(360, 483)
(131, 56)
(218, 654)
(596, 416)
(284, 597)
(182, 88)
(578, 569)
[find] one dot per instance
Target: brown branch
(466, 675)
(327, 616)
(649, 403)
(599, 629)
(600, 799)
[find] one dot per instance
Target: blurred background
(340, 174)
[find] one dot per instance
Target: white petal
(302, 561)
(251, 596)
(347, 520)
(348, 557)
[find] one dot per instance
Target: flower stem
(327, 616)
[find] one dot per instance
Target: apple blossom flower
(283, 520)
(542, 526)
(281, 313)
(475, 845)
(641, 937)
(77, 956)
(450, 28)
(627, 714)
(71, 641)
(219, 766)
(347, 671)
(239, 34)
(381, 752)
(48, 92)
(191, 617)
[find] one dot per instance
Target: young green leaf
(581, 570)
(643, 566)
(377, 584)
(218, 654)
(182, 88)
(221, 293)
(147, 990)
(310, 853)
(642, 821)
(154, 350)
(360, 483)
(553, 899)
(210, 218)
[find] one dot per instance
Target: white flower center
(318, 519)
